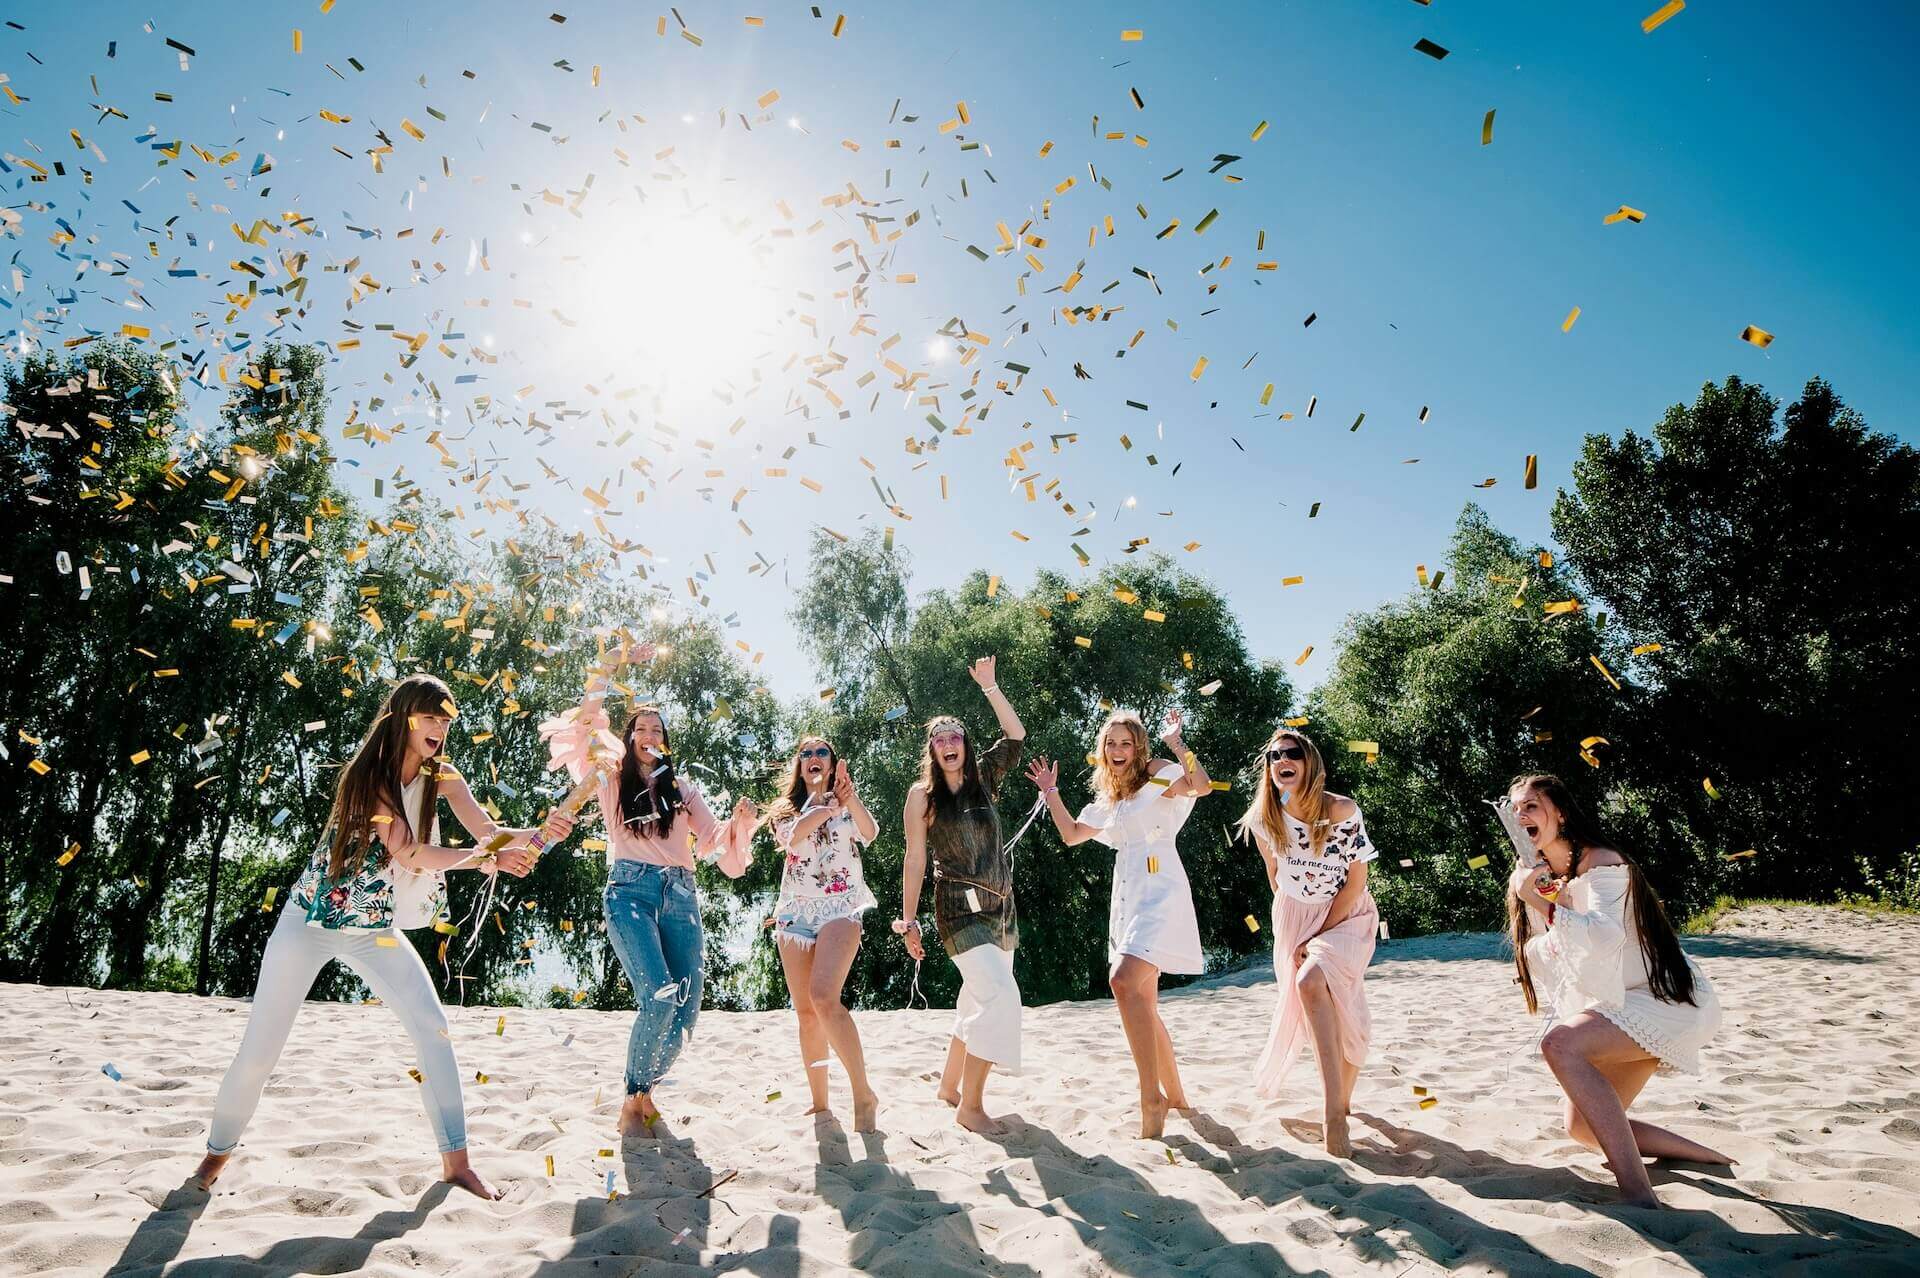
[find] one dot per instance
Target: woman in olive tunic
(950, 812)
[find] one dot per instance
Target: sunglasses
(1277, 753)
(817, 752)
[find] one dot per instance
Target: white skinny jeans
(398, 978)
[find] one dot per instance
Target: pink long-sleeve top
(695, 832)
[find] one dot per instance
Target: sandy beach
(1811, 1085)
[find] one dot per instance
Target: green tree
(1762, 555)
(1462, 685)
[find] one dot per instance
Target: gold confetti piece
(1221, 787)
(140, 756)
(1560, 607)
(416, 1075)
(296, 39)
(1758, 336)
(1606, 673)
(500, 1027)
(768, 98)
(1258, 129)
(772, 1097)
(1475, 862)
(1306, 652)
(1653, 20)
(1735, 856)
(479, 1077)
(839, 25)
(1707, 784)
(1171, 1158)
(387, 942)
(1253, 924)
(1533, 470)
(266, 906)
(1566, 325)
(1300, 722)
(1429, 1102)
(1200, 227)
(1291, 581)
(1419, 1090)
(1646, 648)
(756, 22)
(1199, 367)
(1133, 35)
(606, 1153)
(1486, 130)
(549, 1166)
(1624, 214)
(1151, 615)
(72, 851)
(1153, 864)
(1083, 641)
(1363, 747)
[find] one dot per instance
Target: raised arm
(1193, 781)
(1010, 726)
(1045, 774)
(913, 868)
(865, 828)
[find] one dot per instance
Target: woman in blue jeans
(657, 824)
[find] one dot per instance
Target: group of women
(1588, 931)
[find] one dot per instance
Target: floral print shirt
(362, 901)
(822, 880)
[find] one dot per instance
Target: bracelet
(1052, 789)
(990, 691)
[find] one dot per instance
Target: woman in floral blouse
(821, 825)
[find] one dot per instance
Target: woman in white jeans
(382, 829)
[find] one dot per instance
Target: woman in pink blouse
(657, 824)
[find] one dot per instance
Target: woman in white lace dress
(1590, 933)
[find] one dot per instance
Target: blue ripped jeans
(653, 920)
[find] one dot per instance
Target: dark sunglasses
(817, 752)
(1277, 753)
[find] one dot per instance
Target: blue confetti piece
(894, 713)
(110, 1071)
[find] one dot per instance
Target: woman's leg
(399, 979)
(1136, 986)
(950, 1073)
(633, 929)
(832, 958)
(684, 945)
(990, 1029)
(796, 960)
(1323, 1018)
(294, 957)
(1578, 1053)
(1170, 1085)
(1654, 1142)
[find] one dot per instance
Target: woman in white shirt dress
(1139, 805)
(1628, 1002)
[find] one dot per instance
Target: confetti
(1708, 786)
(1566, 325)
(1486, 139)
(1757, 336)
(549, 1166)
(110, 1071)
(1133, 35)
(1429, 48)
(1253, 924)
(1653, 20)
(1476, 862)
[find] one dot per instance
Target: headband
(945, 722)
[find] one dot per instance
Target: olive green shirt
(968, 856)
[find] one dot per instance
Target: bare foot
(1177, 1099)
(1337, 1142)
(950, 1095)
(1649, 1202)
(976, 1119)
(866, 1112)
(1153, 1117)
(820, 1107)
(209, 1169)
(638, 1115)
(473, 1182)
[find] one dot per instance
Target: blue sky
(1760, 140)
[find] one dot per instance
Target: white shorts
(986, 1017)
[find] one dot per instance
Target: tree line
(201, 620)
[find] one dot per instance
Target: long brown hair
(943, 803)
(1106, 784)
(1668, 975)
(794, 797)
(371, 778)
(1310, 799)
(649, 808)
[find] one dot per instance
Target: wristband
(989, 691)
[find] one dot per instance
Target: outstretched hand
(1170, 728)
(1044, 773)
(842, 783)
(982, 672)
(744, 812)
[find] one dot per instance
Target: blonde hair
(1310, 799)
(1108, 785)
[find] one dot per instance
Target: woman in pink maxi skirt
(1316, 851)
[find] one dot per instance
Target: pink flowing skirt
(1343, 954)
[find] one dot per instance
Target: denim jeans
(653, 921)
